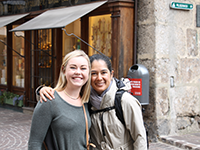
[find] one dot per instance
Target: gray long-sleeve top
(66, 121)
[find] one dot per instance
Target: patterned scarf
(96, 99)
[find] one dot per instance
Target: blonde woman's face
(77, 72)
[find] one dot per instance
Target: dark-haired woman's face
(100, 76)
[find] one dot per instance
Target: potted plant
(10, 98)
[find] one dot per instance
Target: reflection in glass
(100, 34)
(18, 61)
(71, 43)
(3, 56)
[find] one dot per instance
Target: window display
(100, 34)
(71, 42)
(44, 57)
(18, 61)
(3, 56)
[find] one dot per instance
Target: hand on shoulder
(46, 92)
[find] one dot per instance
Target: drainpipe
(135, 34)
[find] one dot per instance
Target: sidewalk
(187, 141)
(15, 128)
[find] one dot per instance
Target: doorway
(41, 62)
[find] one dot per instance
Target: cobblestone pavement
(15, 127)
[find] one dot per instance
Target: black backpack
(117, 106)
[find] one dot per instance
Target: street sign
(184, 6)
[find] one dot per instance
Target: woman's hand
(46, 91)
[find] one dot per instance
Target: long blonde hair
(62, 81)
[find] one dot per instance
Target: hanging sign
(184, 6)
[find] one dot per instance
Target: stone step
(28, 110)
(189, 141)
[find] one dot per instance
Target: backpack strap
(101, 118)
(101, 110)
(118, 106)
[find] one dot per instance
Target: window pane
(18, 61)
(43, 57)
(71, 43)
(3, 56)
(100, 34)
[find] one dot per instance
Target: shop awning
(9, 19)
(58, 18)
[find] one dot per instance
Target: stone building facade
(168, 44)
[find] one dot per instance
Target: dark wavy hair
(101, 57)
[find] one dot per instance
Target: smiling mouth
(77, 78)
(100, 84)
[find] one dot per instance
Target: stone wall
(168, 44)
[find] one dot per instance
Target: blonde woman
(64, 115)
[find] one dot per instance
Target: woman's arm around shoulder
(44, 92)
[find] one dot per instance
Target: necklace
(71, 96)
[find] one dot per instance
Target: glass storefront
(43, 57)
(71, 43)
(41, 61)
(18, 59)
(100, 34)
(3, 56)
(43, 51)
(99, 38)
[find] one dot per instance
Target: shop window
(41, 61)
(71, 43)
(43, 57)
(3, 56)
(18, 59)
(100, 34)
